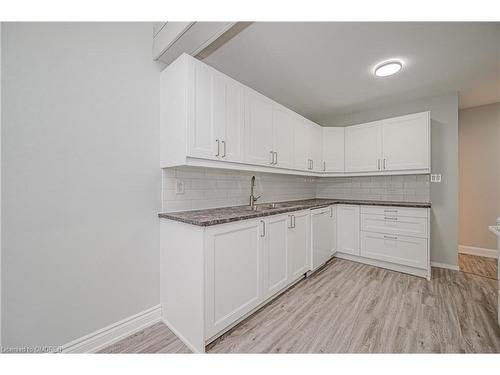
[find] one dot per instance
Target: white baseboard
(445, 265)
(479, 251)
(99, 339)
(182, 338)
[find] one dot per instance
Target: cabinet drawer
(402, 225)
(410, 251)
(394, 211)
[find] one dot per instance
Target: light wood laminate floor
(349, 307)
(476, 265)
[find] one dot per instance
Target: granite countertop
(214, 216)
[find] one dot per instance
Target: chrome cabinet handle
(378, 164)
(218, 147)
(263, 232)
(324, 166)
(312, 164)
(390, 218)
(276, 158)
(271, 157)
(293, 217)
(290, 224)
(384, 162)
(331, 211)
(396, 211)
(223, 149)
(390, 238)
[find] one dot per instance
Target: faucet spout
(253, 198)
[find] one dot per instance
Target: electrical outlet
(179, 187)
(435, 177)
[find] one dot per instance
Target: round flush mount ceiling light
(388, 68)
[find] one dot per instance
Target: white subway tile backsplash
(210, 188)
(414, 188)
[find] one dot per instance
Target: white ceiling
(322, 70)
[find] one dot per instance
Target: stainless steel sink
(266, 206)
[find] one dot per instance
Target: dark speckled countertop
(214, 216)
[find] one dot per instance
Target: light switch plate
(179, 187)
(435, 177)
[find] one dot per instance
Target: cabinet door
(230, 118)
(233, 273)
(333, 149)
(363, 147)
(202, 132)
(283, 136)
(315, 147)
(406, 142)
(302, 142)
(410, 251)
(333, 229)
(258, 124)
(275, 266)
(348, 229)
(299, 245)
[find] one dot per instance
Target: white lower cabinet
(276, 252)
(348, 229)
(299, 254)
(233, 272)
(212, 277)
(399, 236)
(409, 251)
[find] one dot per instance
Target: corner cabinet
(332, 139)
(208, 119)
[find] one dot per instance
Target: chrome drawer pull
(390, 238)
(390, 218)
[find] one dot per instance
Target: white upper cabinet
(229, 102)
(203, 141)
(259, 131)
(302, 141)
(208, 118)
(363, 147)
(307, 152)
(283, 136)
(333, 149)
(406, 142)
(315, 147)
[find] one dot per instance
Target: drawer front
(401, 225)
(394, 211)
(410, 251)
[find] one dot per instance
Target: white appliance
(323, 235)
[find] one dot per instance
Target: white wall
(81, 184)
(479, 136)
(444, 195)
